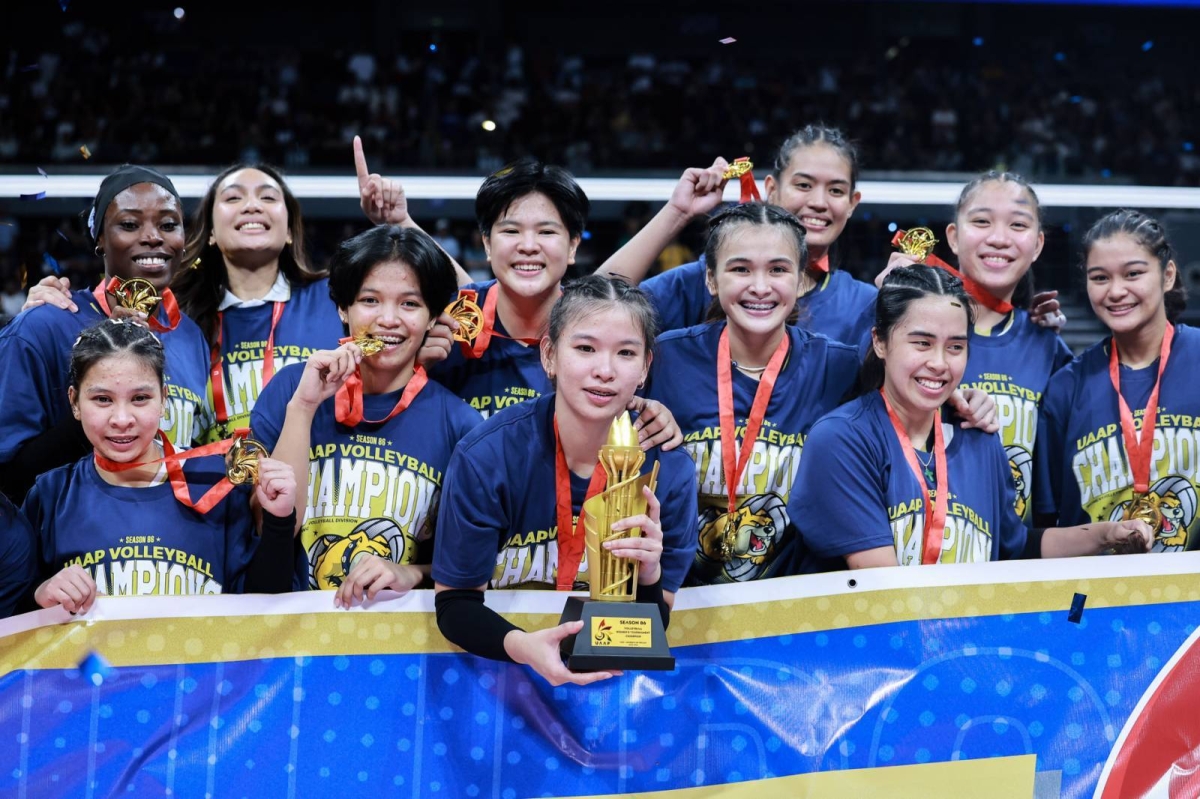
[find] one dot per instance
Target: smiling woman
(369, 435)
(136, 221)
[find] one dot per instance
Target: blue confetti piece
(62, 235)
(96, 669)
(41, 195)
(49, 261)
(42, 172)
(1076, 613)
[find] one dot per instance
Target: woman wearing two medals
(814, 178)
(1119, 424)
(517, 482)
(367, 433)
(997, 235)
(532, 217)
(136, 221)
(135, 517)
(883, 480)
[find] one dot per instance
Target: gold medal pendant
(727, 543)
(369, 344)
(917, 243)
(739, 167)
(1144, 507)
(469, 317)
(137, 294)
(241, 462)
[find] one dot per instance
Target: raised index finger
(360, 162)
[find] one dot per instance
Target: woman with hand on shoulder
(370, 433)
(129, 519)
(883, 480)
(516, 483)
(136, 221)
(1118, 425)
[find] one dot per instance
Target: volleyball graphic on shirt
(1176, 500)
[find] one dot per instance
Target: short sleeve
(471, 519)
(270, 411)
(679, 519)
(17, 567)
(679, 295)
(27, 382)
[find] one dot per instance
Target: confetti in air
(41, 195)
(96, 669)
(62, 235)
(728, 40)
(85, 152)
(42, 172)
(23, 273)
(50, 262)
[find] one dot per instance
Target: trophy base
(615, 635)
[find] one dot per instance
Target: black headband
(119, 181)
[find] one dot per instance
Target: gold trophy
(241, 461)
(469, 316)
(916, 243)
(137, 294)
(618, 633)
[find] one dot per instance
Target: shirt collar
(281, 291)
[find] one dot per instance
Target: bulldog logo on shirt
(1177, 501)
(758, 525)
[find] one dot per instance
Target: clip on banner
(1076, 612)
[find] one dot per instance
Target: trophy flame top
(622, 449)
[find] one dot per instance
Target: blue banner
(976, 680)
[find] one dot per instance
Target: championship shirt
(838, 307)
(498, 521)
(508, 373)
(35, 350)
(309, 323)
(683, 376)
(855, 491)
(1083, 468)
(1014, 366)
(17, 568)
(372, 489)
(139, 541)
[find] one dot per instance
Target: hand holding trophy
(618, 632)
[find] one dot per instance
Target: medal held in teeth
(916, 243)
(369, 344)
(469, 317)
(136, 294)
(241, 462)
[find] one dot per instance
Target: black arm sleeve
(62, 444)
(270, 570)
(653, 594)
(466, 621)
(1033, 544)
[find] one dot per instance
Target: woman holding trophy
(137, 518)
(516, 483)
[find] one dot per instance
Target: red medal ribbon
(735, 462)
(1137, 449)
(820, 264)
(348, 402)
(216, 370)
(478, 347)
(166, 302)
(749, 185)
(935, 522)
(570, 537)
(173, 460)
(977, 292)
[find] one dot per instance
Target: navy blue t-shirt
(1083, 468)
(372, 489)
(16, 558)
(309, 322)
(140, 541)
(35, 350)
(683, 376)
(838, 307)
(498, 522)
(856, 491)
(508, 373)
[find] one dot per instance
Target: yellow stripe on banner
(991, 778)
(918, 603)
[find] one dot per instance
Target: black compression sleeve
(270, 570)
(653, 594)
(1033, 543)
(465, 620)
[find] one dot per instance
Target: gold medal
(1145, 508)
(739, 167)
(917, 243)
(369, 344)
(469, 317)
(137, 294)
(727, 543)
(241, 462)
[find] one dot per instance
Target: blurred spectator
(475, 260)
(445, 238)
(12, 298)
